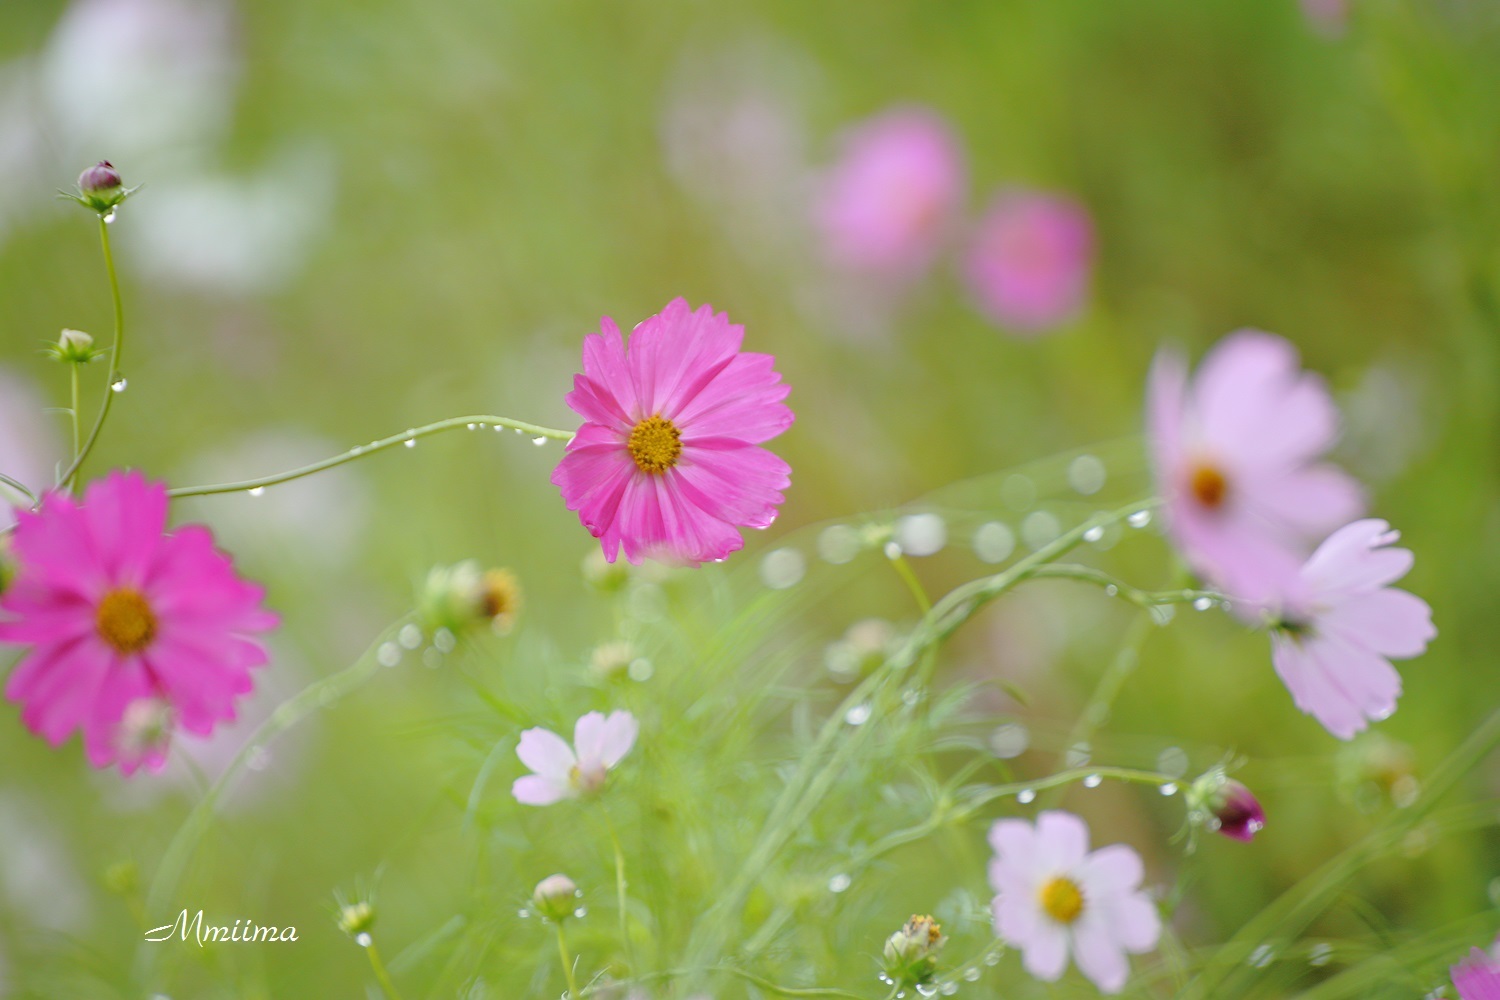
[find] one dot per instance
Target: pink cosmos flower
(890, 201)
(667, 463)
(1054, 897)
(1477, 977)
(1235, 456)
(1337, 624)
(564, 772)
(1030, 259)
(134, 631)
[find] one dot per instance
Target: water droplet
(993, 958)
(972, 975)
(257, 491)
(1139, 519)
(1110, 590)
(1169, 789)
(363, 940)
(1094, 534)
(388, 655)
(839, 882)
(782, 568)
(948, 989)
(1086, 474)
(444, 641)
(539, 440)
(119, 384)
(927, 991)
(410, 636)
(994, 542)
(1010, 740)
(1203, 604)
(838, 544)
(1262, 955)
(1320, 953)
(431, 658)
(1172, 761)
(911, 696)
(1163, 614)
(109, 217)
(892, 550)
(1092, 781)
(259, 759)
(582, 911)
(471, 426)
(410, 442)
(858, 715)
(922, 534)
(640, 669)
(517, 430)
(885, 979)
(1040, 528)
(1026, 796)
(523, 913)
(1077, 755)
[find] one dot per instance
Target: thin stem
(73, 410)
(1118, 588)
(360, 451)
(318, 694)
(381, 975)
(567, 963)
(620, 885)
(904, 570)
(115, 351)
(18, 487)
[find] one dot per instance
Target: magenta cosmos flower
(1236, 461)
(133, 631)
(1029, 261)
(1337, 625)
(668, 463)
(1477, 977)
(567, 772)
(889, 203)
(1055, 897)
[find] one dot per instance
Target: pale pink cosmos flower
(1477, 977)
(889, 203)
(1236, 459)
(1337, 624)
(567, 772)
(133, 631)
(1030, 259)
(667, 463)
(1055, 897)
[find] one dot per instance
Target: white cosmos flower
(564, 772)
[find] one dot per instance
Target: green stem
(361, 451)
(567, 963)
(381, 975)
(1118, 588)
(620, 885)
(73, 411)
(115, 351)
(18, 487)
(904, 570)
(318, 694)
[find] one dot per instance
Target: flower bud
(602, 575)
(1375, 769)
(555, 897)
(462, 596)
(75, 347)
(100, 188)
(1225, 806)
(356, 918)
(611, 660)
(145, 731)
(911, 953)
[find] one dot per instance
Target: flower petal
(536, 790)
(546, 753)
(1100, 957)
(1062, 840)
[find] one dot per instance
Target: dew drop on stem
(119, 384)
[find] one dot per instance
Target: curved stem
(381, 976)
(71, 473)
(567, 963)
(1118, 588)
(18, 487)
(360, 451)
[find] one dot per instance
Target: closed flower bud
(604, 576)
(911, 953)
(356, 918)
(555, 897)
(459, 597)
(1226, 806)
(75, 347)
(100, 188)
(611, 659)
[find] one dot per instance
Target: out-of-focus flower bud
(1375, 768)
(555, 897)
(100, 188)
(864, 647)
(74, 347)
(459, 597)
(611, 660)
(356, 918)
(604, 576)
(911, 953)
(1225, 806)
(145, 732)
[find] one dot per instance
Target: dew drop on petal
(994, 542)
(839, 882)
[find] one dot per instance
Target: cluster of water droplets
(411, 638)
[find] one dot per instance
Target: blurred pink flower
(564, 772)
(1477, 977)
(1235, 456)
(668, 461)
(1029, 262)
(889, 203)
(1337, 624)
(134, 631)
(1054, 897)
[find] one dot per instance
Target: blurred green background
(363, 217)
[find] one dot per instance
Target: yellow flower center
(1062, 899)
(1208, 486)
(500, 595)
(655, 444)
(125, 621)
